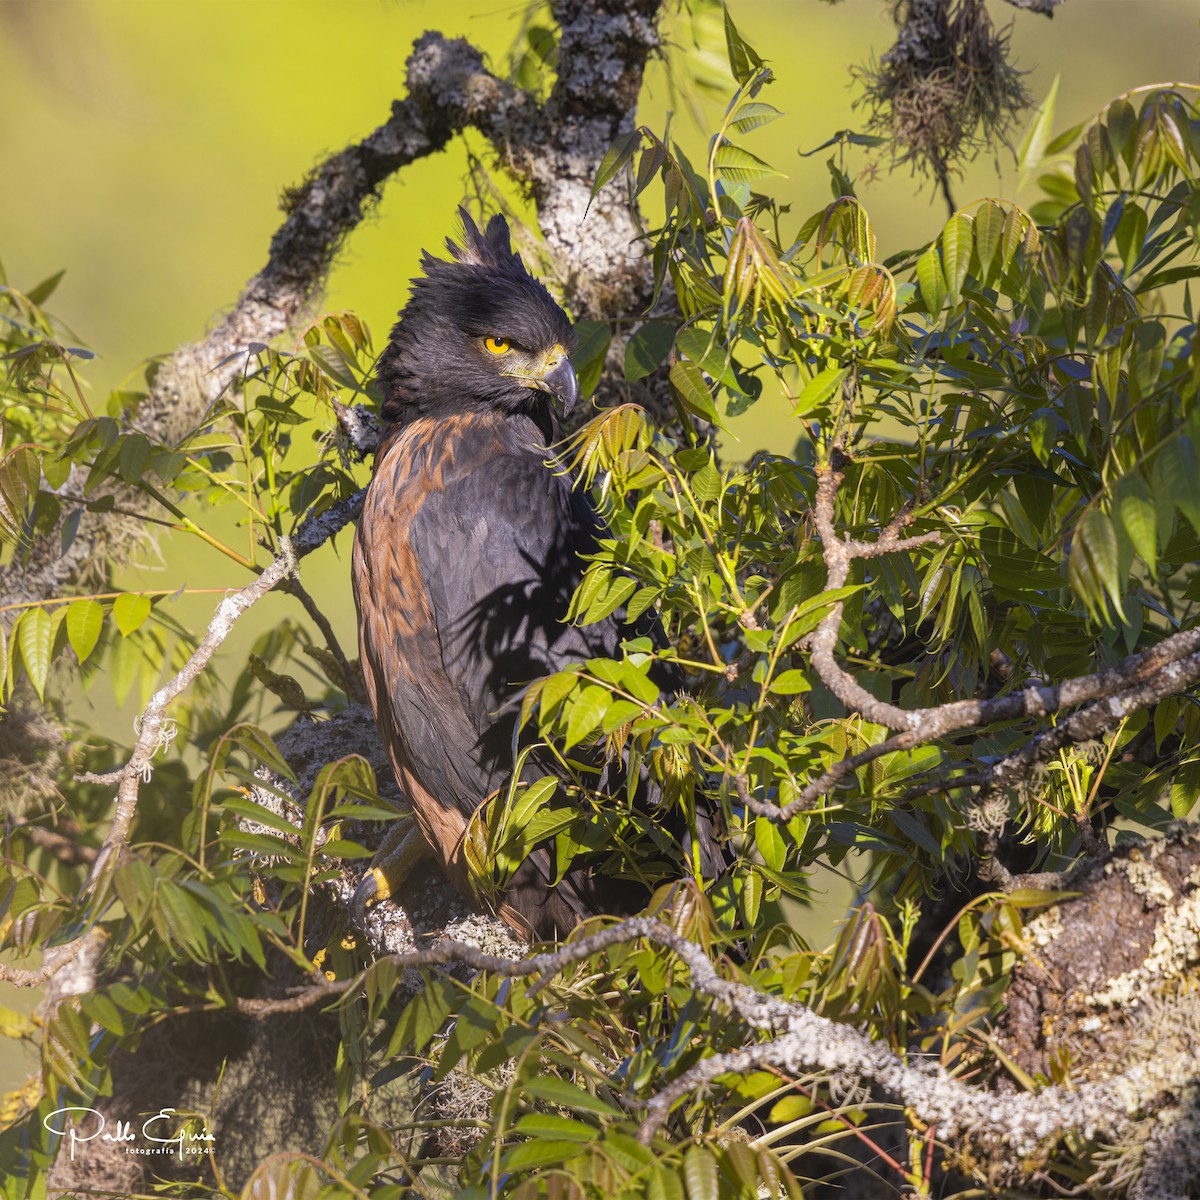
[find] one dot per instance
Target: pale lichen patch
(1176, 946)
(1147, 881)
(1045, 927)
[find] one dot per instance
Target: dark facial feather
(435, 361)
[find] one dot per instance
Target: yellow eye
(495, 345)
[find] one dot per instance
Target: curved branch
(1142, 672)
(799, 1041)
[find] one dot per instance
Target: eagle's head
(477, 331)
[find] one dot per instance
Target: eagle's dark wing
(499, 553)
(490, 555)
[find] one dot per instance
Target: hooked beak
(555, 375)
(561, 382)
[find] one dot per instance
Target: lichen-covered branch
(798, 1041)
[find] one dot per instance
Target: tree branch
(798, 1041)
(448, 88)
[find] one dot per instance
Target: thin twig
(153, 723)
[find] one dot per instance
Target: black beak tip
(563, 383)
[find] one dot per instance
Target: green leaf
(1131, 235)
(790, 1108)
(663, 1183)
(260, 744)
(617, 155)
(1185, 789)
(1033, 144)
(1133, 505)
(84, 620)
(647, 348)
(592, 341)
(700, 1173)
(739, 165)
(1149, 343)
(134, 457)
(1176, 477)
(424, 1016)
(547, 1125)
(619, 590)
(1093, 568)
(932, 281)
(753, 115)
(566, 1095)
(239, 806)
(1042, 427)
(180, 918)
(819, 390)
(1015, 227)
(769, 843)
(744, 60)
(586, 713)
(790, 683)
(689, 385)
(914, 829)
(546, 695)
(752, 892)
(956, 253)
(36, 639)
(989, 227)
(44, 290)
(1122, 125)
(642, 599)
(637, 681)
(529, 1155)
(130, 611)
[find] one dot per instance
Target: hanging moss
(946, 89)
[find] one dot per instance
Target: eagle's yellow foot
(402, 848)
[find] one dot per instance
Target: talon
(373, 888)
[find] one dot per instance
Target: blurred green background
(145, 144)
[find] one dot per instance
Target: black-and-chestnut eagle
(467, 555)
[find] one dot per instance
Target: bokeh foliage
(1023, 384)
